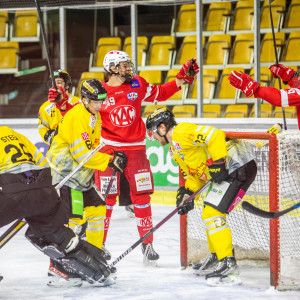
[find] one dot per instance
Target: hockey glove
(48, 137)
(283, 72)
(118, 161)
(243, 82)
(182, 195)
(217, 170)
(58, 96)
(188, 71)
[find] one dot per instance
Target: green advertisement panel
(165, 170)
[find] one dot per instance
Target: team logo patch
(177, 146)
(85, 136)
(132, 96)
(92, 121)
(123, 115)
(134, 83)
(144, 222)
(143, 181)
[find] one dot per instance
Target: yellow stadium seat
(210, 80)
(290, 112)
(161, 50)
(9, 57)
(142, 47)
(152, 76)
(265, 76)
(184, 111)
(225, 90)
(186, 18)
(236, 111)
(171, 75)
(267, 53)
(293, 47)
(217, 49)
(149, 109)
(216, 19)
(266, 111)
(188, 49)
(26, 26)
(243, 16)
(277, 8)
(292, 19)
(211, 111)
(105, 45)
(3, 26)
(87, 76)
(242, 50)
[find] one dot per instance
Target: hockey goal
(276, 187)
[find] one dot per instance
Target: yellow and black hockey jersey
(78, 133)
(17, 153)
(50, 116)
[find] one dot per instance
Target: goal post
(276, 187)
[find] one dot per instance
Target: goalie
(203, 154)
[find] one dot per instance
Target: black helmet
(63, 75)
(93, 90)
(159, 116)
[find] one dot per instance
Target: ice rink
(25, 270)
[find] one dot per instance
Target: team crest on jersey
(132, 96)
(123, 115)
(134, 83)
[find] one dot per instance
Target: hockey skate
(130, 211)
(60, 276)
(150, 256)
(206, 265)
(226, 273)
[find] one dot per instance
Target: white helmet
(113, 58)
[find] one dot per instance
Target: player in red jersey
(124, 130)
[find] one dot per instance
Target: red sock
(143, 217)
(109, 210)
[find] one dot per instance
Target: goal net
(276, 187)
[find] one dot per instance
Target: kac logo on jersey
(123, 115)
(132, 96)
(134, 83)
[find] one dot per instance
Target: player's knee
(141, 199)
(215, 224)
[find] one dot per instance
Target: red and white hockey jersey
(122, 124)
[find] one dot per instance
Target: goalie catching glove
(217, 170)
(58, 96)
(182, 195)
(188, 71)
(243, 82)
(118, 160)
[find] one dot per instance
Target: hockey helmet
(93, 90)
(114, 58)
(63, 75)
(158, 117)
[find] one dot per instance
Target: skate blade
(65, 283)
(229, 280)
(107, 282)
(149, 263)
(203, 272)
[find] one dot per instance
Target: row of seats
(25, 26)
(229, 111)
(221, 16)
(219, 49)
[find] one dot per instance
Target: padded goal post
(276, 187)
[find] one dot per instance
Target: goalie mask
(93, 90)
(63, 75)
(158, 117)
(113, 59)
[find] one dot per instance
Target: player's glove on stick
(243, 82)
(188, 71)
(119, 160)
(58, 96)
(182, 195)
(283, 72)
(217, 170)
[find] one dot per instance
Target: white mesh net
(251, 234)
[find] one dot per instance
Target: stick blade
(256, 211)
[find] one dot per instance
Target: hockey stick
(267, 214)
(20, 223)
(276, 59)
(164, 220)
(110, 184)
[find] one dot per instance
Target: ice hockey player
(281, 98)
(124, 130)
(26, 191)
(59, 102)
(76, 135)
(202, 154)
